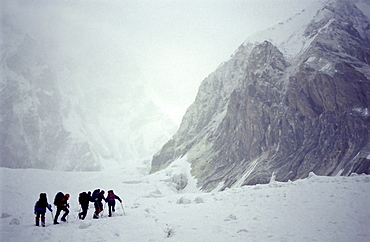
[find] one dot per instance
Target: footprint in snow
(231, 217)
(84, 225)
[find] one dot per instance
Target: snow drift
(316, 208)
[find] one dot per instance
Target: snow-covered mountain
(53, 115)
(291, 100)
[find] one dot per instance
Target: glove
(67, 205)
(35, 213)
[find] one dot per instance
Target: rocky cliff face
(284, 107)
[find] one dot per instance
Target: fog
(92, 82)
(163, 48)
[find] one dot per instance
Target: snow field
(312, 209)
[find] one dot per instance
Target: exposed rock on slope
(284, 107)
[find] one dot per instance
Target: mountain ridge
(288, 112)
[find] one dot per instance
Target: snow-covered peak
(289, 34)
(294, 36)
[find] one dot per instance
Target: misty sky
(169, 46)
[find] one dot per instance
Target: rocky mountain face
(290, 101)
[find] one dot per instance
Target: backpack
(82, 197)
(111, 196)
(58, 198)
(95, 194)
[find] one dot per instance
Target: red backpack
(111, 195)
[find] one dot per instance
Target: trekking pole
(124, 213)
(79, 213)
(69, 210)
(55, 207)
(102, 212)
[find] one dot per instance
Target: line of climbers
(84, 198)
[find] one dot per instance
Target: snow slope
(313, 209)
(288, 36)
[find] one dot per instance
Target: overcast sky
(169, 45)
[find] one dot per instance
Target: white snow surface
(312, 209)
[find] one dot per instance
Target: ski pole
(69, 210)
(51, 211)
(79, 213)
(65, 211)
(124, 213)
(102, 212)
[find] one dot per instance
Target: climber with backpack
(84, 199)
(61, 202)
(40, 209)
(94, 195)
(97, 197)
(111, 200)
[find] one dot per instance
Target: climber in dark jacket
(98, 204)
(40, 209)
(84, 200)
(62, 206)
(111, 200)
